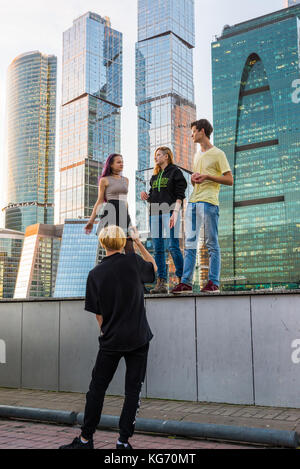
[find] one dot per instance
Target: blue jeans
(202, 215)
(165, 238)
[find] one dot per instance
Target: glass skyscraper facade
(39, 261)
(90, 111)
(164, 88)
(31, 123)
(79, 254)
(255, 70)
(11, 243)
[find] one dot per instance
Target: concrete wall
(237, 349)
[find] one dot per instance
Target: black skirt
(115, 212)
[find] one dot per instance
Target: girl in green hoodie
(167, 192)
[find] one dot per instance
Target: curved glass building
(31, 121)
(257, 123)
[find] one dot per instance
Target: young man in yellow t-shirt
(210, 170)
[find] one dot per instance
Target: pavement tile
(102, 439)
(289, 417)
(227, 412)
(216, 413)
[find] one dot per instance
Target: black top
(167, 187)
(115, 290)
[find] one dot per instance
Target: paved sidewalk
(223, 414)
(28, 435)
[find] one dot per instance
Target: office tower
(39, 261)
(90, 111)
(78, 255)
(11, 243)
(291, 3)
(31, 122)
(256, 99)
(164, 88)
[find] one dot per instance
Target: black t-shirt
(115, 290)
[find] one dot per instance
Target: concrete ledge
(169, 295)
(275, 438)
(227, 348)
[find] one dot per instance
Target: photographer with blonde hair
(115, 294)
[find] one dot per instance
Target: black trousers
(103, 372)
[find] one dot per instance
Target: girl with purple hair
(112, 197)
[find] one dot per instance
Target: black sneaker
(77, 444)
(123, 446)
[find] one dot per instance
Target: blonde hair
(112, 238)
(166, 151)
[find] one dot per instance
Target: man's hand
(99, 319)
(199, 178)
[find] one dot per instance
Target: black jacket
(167, 187)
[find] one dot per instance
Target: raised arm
(144, 253)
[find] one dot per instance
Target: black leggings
(103, 372)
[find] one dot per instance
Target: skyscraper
(31, 120)
(164, 87)
(90, 111)
(256, 88)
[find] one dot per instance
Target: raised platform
(234, 347)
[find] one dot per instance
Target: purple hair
(107, 166)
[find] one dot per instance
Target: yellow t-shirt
(214, 163)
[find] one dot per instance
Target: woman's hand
(89, 227)
(173, 219)
(144, 196)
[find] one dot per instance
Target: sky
(39, 24)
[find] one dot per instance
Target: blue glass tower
(90, 112)
(256, 91)
(164, 87)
